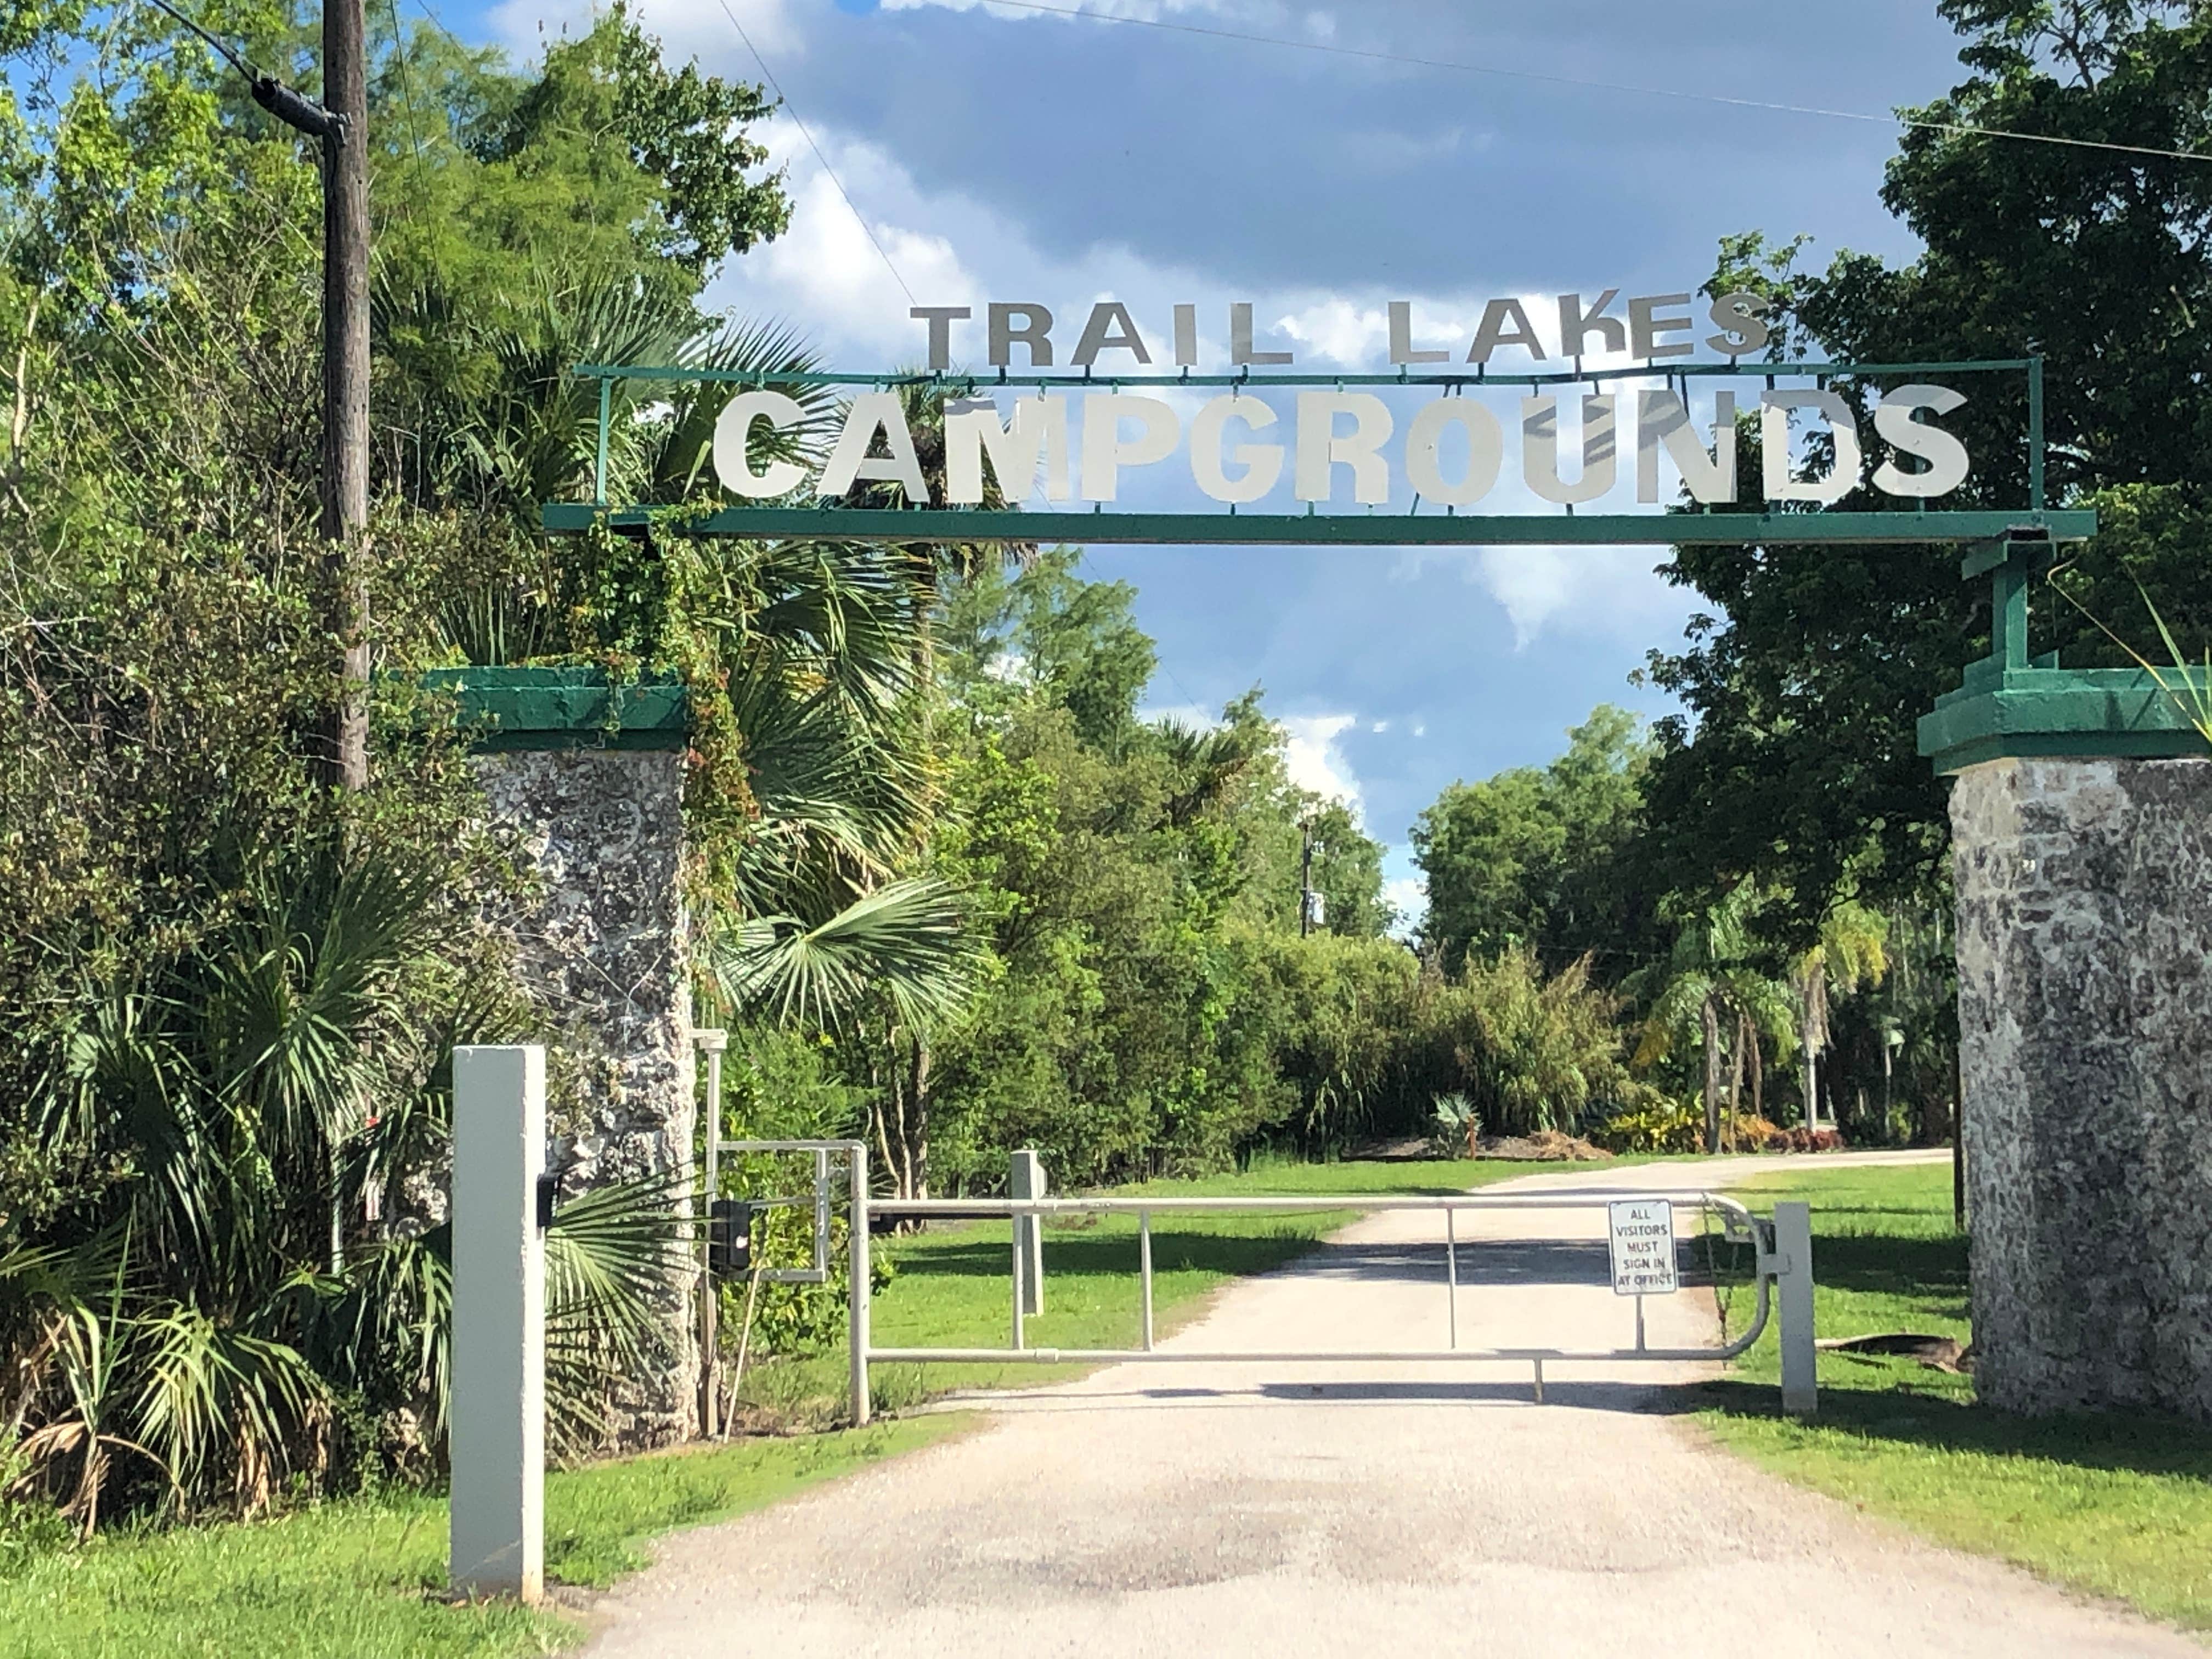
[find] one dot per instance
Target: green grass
(2116, 1506)
(361, 1577)
(954, 1289)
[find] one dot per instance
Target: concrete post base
(2085, 1014)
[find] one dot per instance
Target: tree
(1850, 954)
(1795, 764)
(1545, 857)
(1549, 1048)
(221, 1248)
(1712, 982)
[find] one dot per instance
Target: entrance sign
(1337, 439)
(1051, 449)
(1653, 326)
(1641, 1232)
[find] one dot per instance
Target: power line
(294, 109)
(217, 46)
(785, 99)
(1373, 55)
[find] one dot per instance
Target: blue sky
(1000, 155)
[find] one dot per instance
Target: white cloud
(1380, 727)
(1610, 590)
(1148, 11)
(685, 28)
(1409, 896)
(1314, 760)
(1420, 730)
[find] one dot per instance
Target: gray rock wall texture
(605, 953)
(2085, 1015)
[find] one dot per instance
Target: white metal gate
(1781, 1274)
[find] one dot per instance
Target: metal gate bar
(1788, 1267)
(1738, 1227)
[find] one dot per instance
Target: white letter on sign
(1540, 449)
(1037, 435)
(1660, 419)
(1774, 439)
(1108, 315)
(733, 437)
(1262, 462)
(1104, 454)
(1945, 455)
(873, 412)
(1485, 448)
(1320, 447)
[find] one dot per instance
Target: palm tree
(1711, 981)
(1852, 951)
(817, 675)
(187, 1340)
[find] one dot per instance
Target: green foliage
(191, 1326)
(1547, 1049)
(1455, 1126)
(603, 163)
(1549, 858)
(1662, 1127)
(222, 1277)
(905, 943)
(1137, 881)
(1796, 763)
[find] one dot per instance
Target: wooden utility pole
(345, 374)
(339, 126)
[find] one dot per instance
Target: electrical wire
(784, 98)
(223, 50)
(1372, 56)
(293, 108)
(406, 84)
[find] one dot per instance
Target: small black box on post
(729, 1238)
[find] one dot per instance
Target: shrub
(1663, 1127)
(1745, 1133)
(1455, 1126)
(1802, 1139)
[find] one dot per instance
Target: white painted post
(1026, 1180)
(857, 1291)
(496, 1430)
(1793, 1290)
(711, 1041)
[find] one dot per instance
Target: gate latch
(729, 1238)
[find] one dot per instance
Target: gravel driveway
(1401, 1511)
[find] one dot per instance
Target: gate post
(496, 1424)
(711, 1042)
(2079, 804)
(1026, 1180)
(857, 1287)
(1793, 1276)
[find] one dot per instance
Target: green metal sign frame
(1432, 528)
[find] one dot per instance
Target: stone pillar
(603, 951)
(2085, 1017)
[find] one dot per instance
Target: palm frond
(905, 943)
(616, 1259)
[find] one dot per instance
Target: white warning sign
(1641, 1231)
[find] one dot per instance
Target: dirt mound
(1545, 1146)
